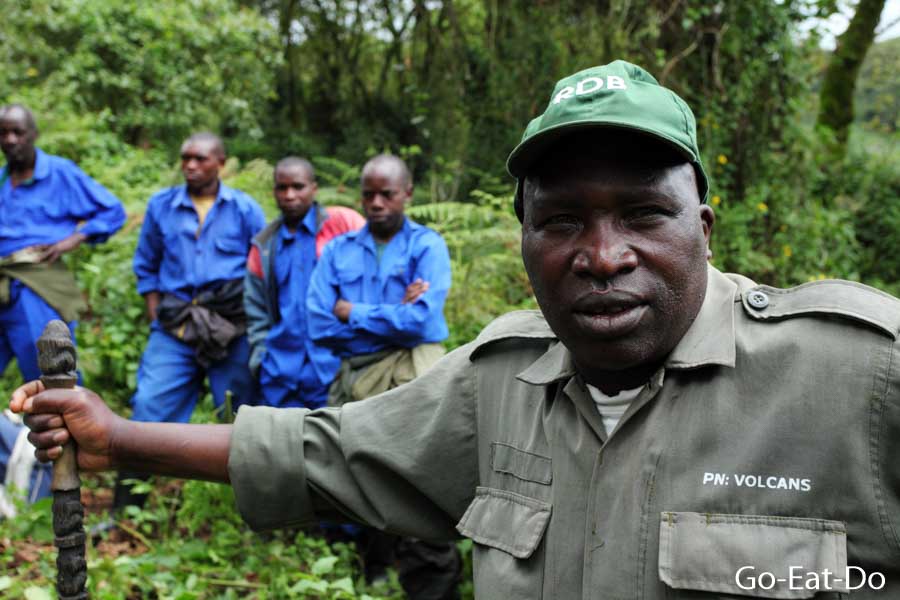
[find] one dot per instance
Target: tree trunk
(836, 98)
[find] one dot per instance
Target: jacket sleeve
(256, 308)
(99, 210)
(321, 297)
(406, 322)
(404, 461)
(148, 253)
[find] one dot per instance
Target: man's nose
(606, 252)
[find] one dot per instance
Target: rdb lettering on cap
(589, 85)
(618, 95)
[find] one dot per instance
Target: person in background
(48, 207)
(292, 370)
(190, 263)
(377, 299)
(22, 477)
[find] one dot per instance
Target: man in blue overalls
(292, 369)
(48, 206)
(377, 298)
(190, 264)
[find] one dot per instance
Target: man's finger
(23, 392)
(44, 422)
(54, 401)
(44, 440)
(49, 454)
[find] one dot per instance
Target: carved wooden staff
(56, 358)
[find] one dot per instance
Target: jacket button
(757, 299)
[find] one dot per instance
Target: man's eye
(647, 213)
(561, 222)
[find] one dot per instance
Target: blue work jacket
(279, 268)
(57, 201)
(349, 269)
(173, 257)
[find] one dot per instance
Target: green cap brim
(530, 150)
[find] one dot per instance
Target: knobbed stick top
(56, 356)
(56, 359)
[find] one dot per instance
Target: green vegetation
(449, 85)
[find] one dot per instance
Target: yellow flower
(783, 228)
(822, 276)
(716, 200)
(762, 207)
(31, 72)
(723, 160)
(786, 250)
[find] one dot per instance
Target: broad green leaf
(324, 565)
(36, 593)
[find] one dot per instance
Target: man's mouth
(609, 314)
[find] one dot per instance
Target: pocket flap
(521, 464)
(349, 274)
(231, 246)
(728, 553)
(506, 521)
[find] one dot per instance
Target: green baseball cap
(619, 95)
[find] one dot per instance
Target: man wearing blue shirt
(382, 287)
(292, 369)
(377, 298)
(48, 206)
(190, 264)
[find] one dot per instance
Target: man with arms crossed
(377, 298)
(742, 390)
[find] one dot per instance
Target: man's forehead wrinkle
(389, 167)
(17, 112)
(292, 171)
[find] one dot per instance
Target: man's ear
(707, 220)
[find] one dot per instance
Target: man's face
(17, 136)
(200, 164)
(616, 253)
(294, 192)
(384, 198)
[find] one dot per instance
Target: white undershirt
(611, 408)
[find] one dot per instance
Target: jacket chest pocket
(350, 283)
(508, 556)
(705, 556)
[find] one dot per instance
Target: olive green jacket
(770, 439)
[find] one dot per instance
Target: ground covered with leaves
(188, 543)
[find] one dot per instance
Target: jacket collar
(183, 198)
(364, 236)
(41, 165)
(708, 341)
(309, 223)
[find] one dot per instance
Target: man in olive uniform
(658, 430)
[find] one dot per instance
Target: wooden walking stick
(56, 359)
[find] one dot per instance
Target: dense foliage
(448, 84)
